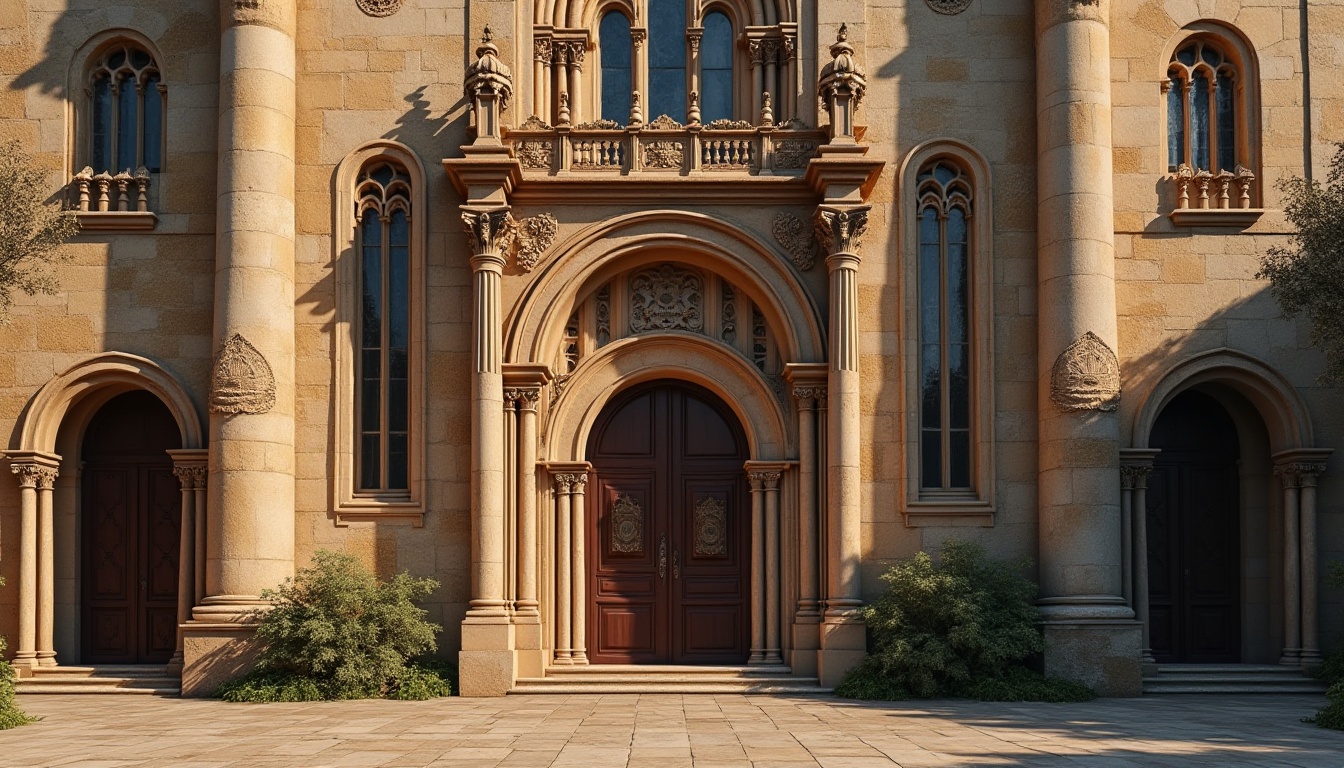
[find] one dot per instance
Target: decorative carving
(627, 526)
(534, 123)
(842, 76)
(724, 124)
(533, 236)
(604, 315)
(488, 232)
(796, 238)
(810, 393)
(191, 476)
(379, 8)
(487, 75)
(711, 528)
(34, 475)
(839, 230)
(1086, 376)
(666, 298)
(760, 339)
(1134, 475)
(768, 480)
(665, 123)
(599, 125)
(535, 154)
(542, 49)
(794, 124)
(949, 7)
(242, 381)
(793, 154)
(664, 154)
(728, 316)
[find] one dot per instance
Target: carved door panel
(1194, 555)
(111, 588)
(669, 544)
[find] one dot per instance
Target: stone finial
(841, 86)
(488, 86)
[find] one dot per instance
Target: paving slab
(671, 731)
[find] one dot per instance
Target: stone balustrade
(664, 146)
(103, 192)
(1202, 190)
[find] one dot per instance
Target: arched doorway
(1194, 542)
(669, 536)
(130, 531)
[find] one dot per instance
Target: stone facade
(802, 210)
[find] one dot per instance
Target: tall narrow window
(945, 382)
(613, 38)
(716, 68)
(667, 59)
(383, 207)
(1204, 109)
(126, 97)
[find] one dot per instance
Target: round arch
(598, 252)
(1280, 406)
(673, 355)
(87, 385)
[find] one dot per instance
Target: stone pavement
(670, 731)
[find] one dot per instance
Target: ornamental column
(189, 466)
(1135, 465)
(36, 473)
(251, 465)
(523, 384)
(809, 389)
(1298, 470)
(46, 570)
(843, 176)
(1090, 631)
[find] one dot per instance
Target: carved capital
(192, 476)
(33, 475)
(489, 233)
(809, 393)
(1134, 475)
(840, 230)
(570, 482)
(542, 49)
(764, 480)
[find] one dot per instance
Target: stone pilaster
(523, 389)
(1091, 633)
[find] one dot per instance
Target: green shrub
(1332, 670)
(1333, 715)
(10, 714)
(335, 632)
(964, 626)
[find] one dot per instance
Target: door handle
(662, 558)
(676, 564)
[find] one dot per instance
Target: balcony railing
(1223, 198)
(104, 201)
(664, 146)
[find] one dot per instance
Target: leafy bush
(1332, 671)
(335, 632)
(10, 714)
(964, 626)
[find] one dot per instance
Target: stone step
(101, 670)
(1230, 679)
(669, 671)
(1232, 687)
(32, 688)
(667, 678)
(144, 679)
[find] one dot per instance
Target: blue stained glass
(128, 123)
(1175, 126)
(151, 154)
(667, 59)
(613, 36)
(959, 459)
(102, 124)
(716, 68)
(958, 283)
(371, 282)
(1227, 124)
(398, 294)
(1199, 122)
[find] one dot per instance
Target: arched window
(716, 68)
(613, 39)
(383, 399)
(1205, 108)
(945, 456)
(126, 100)
(667, 59)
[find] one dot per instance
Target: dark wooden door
(131, 506)
(1194, 542)
(668, 537)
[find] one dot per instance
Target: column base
(48, 658)
(844, 644)
(1094, 640)
(214, 653)
(174, 666)
(1311, 658)
(803, 649)
(1292, 657)
(486, 663)
(529, 657)
(24, 665)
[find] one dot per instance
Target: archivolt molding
(102, 377)
(535, 327)
(675, 355)
(1280, 406)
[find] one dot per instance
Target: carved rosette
(666, 298)
(711, 528)
(796, 238)
(627, 526)
(840, 230)
(379, 8)
(242, 381)
(533, 236)
(1086, 376)
(949, 7)
(535, 154)
(664, 154)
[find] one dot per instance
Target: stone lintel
(40, 458)
(568, 467)
(525, 375)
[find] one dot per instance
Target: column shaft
(198, 592)
(564, 605)
(1127, 537)
(186, 565)
(757, 568)
(487, 459)
(46, 575)
(26, 650)
(1141, 566)
(844, 514)
(578, 586)
(807, 508)
(527, 505)
(1311, 648)
(511, 503)
(1292, 575)
(772, 650)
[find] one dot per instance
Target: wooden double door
(1194, 542)
(131, 508)
(668, 535)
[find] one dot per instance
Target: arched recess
(1280, 406)
(674, 355)
(536, 326)
(81, 390)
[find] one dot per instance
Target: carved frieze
(666, 298)
(242, 381)
(533, 236)
(627, 526)
(1086, 376)
(724, 124)
(536, 154)
(796, 238)
(711, 528)
(793, 154)
(664, 154)
(599, 125)
(534, 123)
(378, 8)
(949, 7)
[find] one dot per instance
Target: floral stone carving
(949, 7)
(379, 7)
(666, 298)
(1086, 376)
(242, 381)
(795, 236)
(627, 526)
(533, 236)
(664, 154)
(535, 154)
